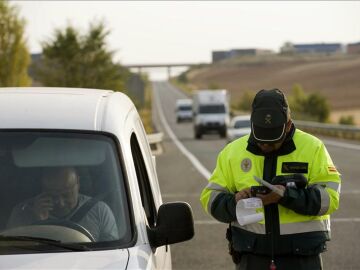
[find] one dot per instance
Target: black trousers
(290, 262)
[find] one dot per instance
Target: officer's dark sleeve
(224, 207)
(302, 201)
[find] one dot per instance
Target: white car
(100, 134)
(239, 126)
(184, 110)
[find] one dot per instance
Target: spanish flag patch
(332, 169)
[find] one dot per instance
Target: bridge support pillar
(169, 72)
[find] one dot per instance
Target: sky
(149, 32)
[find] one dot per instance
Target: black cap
(269, 116)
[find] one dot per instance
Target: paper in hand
(246, 211)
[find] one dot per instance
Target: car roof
(239, 118)
(184, 101)
(60, 108)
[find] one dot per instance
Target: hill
(335, 77)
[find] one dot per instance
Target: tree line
(68, 58)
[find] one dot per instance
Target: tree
(246, 101)
(347, 120)
(312, 107)
(297, 98)
(14, 55)
(182, 78)
(317, 106)
(73, 60)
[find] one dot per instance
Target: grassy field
(335, 77)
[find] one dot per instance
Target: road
(186, 163)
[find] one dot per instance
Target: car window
(185, 108)
(242, 124)
(212, 109)
(147, 199)
(48, 178)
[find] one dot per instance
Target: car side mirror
(174, 224)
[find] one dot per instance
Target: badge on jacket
(246, 164)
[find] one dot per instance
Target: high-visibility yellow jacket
(300, 222)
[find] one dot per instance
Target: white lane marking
(197, 164)
(215, 222)
(342, 144)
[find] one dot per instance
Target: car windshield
(62, 186)
(212, 109)
(242, 124)
(185, 108)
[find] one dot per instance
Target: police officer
(296, 226)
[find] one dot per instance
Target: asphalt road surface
(186, 163)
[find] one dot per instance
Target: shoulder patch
(332, 169)
(246, 164)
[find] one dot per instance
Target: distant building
(222, 55)
(353, 48)
(219, 55)
(325, 48)
(312, 48)
(241, 52)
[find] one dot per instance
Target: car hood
(105, 259)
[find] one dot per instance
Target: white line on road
(201, 168)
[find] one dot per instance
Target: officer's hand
(271, 197)
(43, 204)
(242, 194)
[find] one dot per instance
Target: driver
(60, 200)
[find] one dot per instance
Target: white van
(184, 110)
(99, 135)
(211, 112)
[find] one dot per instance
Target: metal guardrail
(334, 130)
(155, 140)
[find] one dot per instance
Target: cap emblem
(268, 119)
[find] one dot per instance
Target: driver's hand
(43, 204)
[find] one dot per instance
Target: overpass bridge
(168, 66)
